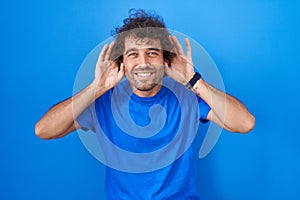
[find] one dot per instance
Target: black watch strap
(193, 80)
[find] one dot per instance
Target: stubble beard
(146, 85)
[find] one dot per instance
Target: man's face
(143, 61)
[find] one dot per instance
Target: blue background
(255, 45)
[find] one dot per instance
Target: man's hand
(107, 72)
(181, 69)
(61, 118)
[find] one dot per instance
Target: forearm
(61, 118)
(227, 111)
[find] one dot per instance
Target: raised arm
(226, 110)
(60, 119)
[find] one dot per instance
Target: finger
(177, 45)
(108, 52)
(112, 65)
(102, 53)
(166, 64)
(168, 69)
(188, 48)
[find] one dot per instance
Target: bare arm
(226, 111)
(60, 120)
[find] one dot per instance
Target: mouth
(143, 74)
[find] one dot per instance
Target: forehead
(141, 43)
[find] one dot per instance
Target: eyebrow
(134, 49)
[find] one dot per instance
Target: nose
(143, 59)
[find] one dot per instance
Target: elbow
(248, 125)
(41, 132)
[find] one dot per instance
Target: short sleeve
(86, 119)
(204, 110)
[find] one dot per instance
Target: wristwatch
(193, 80)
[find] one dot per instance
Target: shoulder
(122, 88)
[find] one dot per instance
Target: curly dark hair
(142, 24)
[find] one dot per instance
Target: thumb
(168, 69)
(121, 71)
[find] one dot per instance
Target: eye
(132, 54)
(153, 53)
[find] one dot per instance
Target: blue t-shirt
(146, 141)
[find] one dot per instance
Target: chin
(146, 87)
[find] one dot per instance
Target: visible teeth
(143, 74)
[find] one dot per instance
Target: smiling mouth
(143, 74)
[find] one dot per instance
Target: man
(158, 72)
